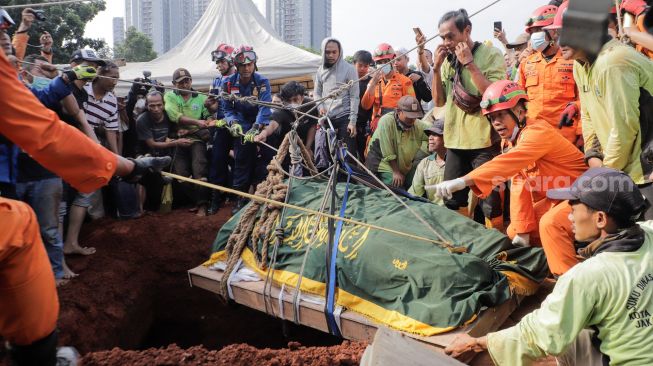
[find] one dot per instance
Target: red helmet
(541, 17)
(634, 7)
(557, 21)
(223, 52)
(244, 55)
(384, 52)
(501, 95)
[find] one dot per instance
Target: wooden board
(353, 326)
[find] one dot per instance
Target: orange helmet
(384, 52)
(501, 95)
(557, 21)
(541, 17)
(634, 7)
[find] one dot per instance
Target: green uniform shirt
(429, 172)
(612, 291)
(390, 142)
(609, 99)
(176, 107)
(470, 131)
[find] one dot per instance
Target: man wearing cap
(548, 78)
(395, 142)
(599, 312)
(221, 139)
(186, 108)
(540, 160)
(430, 171)
(463, 69)
(611, 86)
(513, 50)
(245, 120)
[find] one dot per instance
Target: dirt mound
(349, 353)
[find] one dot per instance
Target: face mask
(386, 69)
(139, 107)
(515, 131)
(40, 83)
(293, 105)
(539, 42)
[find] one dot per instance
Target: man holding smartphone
(463, 69)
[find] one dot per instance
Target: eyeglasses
(245, 57)
(219, 56)
(502, 99)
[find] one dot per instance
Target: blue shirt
(53, 93)
(216, 88)
(244, 113)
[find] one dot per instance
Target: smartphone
(418, 32)
(498, 26)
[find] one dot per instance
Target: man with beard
(343, 109)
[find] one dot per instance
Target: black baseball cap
(87, 55)
(604, 189)
(436, 129)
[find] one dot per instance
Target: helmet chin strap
(520, 124)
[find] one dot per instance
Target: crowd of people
(544, 142)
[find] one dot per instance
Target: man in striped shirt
(102, 106)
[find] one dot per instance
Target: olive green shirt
(470, 131)
(429, 172)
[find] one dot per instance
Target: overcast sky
(362, 24)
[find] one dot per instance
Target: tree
(66, 23)
(311, 50)
(137, 47)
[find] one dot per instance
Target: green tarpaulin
(407, 284)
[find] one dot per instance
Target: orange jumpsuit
(386, 95)
(642, 28)
(550, 87)
(541, 159)
(28, 297)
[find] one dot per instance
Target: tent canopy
(234, 22)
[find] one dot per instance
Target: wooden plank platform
(353, 326)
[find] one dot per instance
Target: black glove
(144, 165)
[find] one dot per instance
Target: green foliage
(349, 59)
(66, 23)
(137, 47)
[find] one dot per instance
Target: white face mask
(386, 69)
(515, 131)
(539, 41)
(292, 105)
(139, 107)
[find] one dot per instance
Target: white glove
(447, 188)
(522, 240)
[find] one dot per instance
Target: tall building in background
(118, 31)
(166, 22)
(300, 22)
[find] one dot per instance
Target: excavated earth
(132, 304)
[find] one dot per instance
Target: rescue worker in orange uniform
(549, 79)
(386, 87)
(28, 297)
(541, 159)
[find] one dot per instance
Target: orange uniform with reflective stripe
(28, 296)
(386, 95)
(550, 87)
(541, 159)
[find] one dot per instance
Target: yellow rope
(444, 244)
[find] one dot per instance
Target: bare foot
(68, 273)
(61, 281)
(76, 249)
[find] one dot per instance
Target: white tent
(233, 22)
